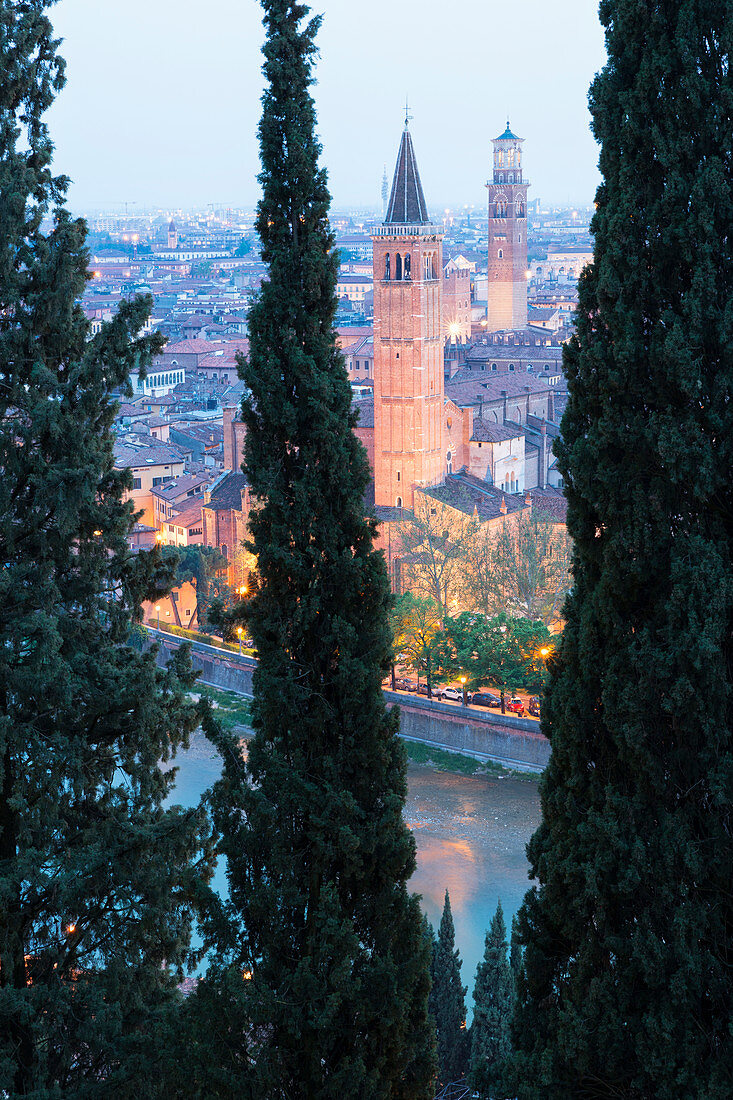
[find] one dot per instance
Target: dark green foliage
(448, 1002)
(317, 852)
(95, 878)
(629, 935)
(515, 951)
(501, 651)
(493, 996)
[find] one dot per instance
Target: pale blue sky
(162, 100)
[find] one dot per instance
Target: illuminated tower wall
(507, 267)
(408, 342)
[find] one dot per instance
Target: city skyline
(164, 113)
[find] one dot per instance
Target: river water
(470, 831)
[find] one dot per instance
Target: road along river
(471, 833)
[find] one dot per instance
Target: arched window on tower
(510, 177)
(501, 253)
(433, 269)
(407, 266)
(398, 502)
(386, 266)
(520, 208)
(449, 462)
(397, 266)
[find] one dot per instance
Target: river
(470, 831)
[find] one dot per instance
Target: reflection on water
(471, 833)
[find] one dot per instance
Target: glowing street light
(239, 635)
(157, 608)
(463, 686)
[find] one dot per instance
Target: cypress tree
(94, 875)
(515, 951)
(449, 1002)
(629, 934)
(493, 1000)
(337, 968)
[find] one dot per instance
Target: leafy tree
(421, 637)
(201, 566)
(629, 932)
(322, 926)
(96, 879)
(434, 540)
(493, 996)
(449, 1002)
(522, 570)
(501, 651)
(243, 248)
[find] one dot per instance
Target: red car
(516, 706)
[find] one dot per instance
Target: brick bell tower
(409, 450)
(507, 272)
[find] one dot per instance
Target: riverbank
(457, 764)
(233, 711)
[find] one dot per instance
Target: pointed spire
(407, 204)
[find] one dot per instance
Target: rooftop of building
(407, 204)
(180, 487)
(474, 497)
(137, 454)
(550, 503)
(187, 517)
(470, 388)
(487, 431)
(365, 408)
(227, 495)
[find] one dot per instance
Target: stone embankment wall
(515, 742)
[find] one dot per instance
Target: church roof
(507, 135)
(407, 204)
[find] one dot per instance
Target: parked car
(485, 699)
(408, 685)
(456, 694)
(534, 706)
(516, 706)
(423, 690)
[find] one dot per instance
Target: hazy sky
(162, 101)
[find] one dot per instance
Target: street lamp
(239, 635)
(463, 686)
(157, 608)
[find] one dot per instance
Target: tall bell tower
(507, 272)
(408, 341)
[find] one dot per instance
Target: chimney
(502, 507)
(528, 499)
(503, 394)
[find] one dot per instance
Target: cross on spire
(408, 116)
